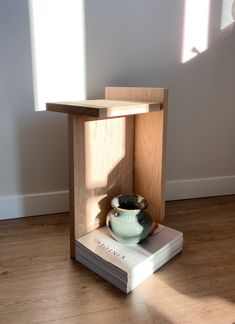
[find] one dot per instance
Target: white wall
(33, 145)
(139, 42)
(132, 43)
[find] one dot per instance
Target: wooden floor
(40, 284)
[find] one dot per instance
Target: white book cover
(132, 259)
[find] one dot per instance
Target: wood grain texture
(136, 314)
(39, 283)
(101, 167)
(104, 108)
(136, 94)
(149, 161)
(149, 146)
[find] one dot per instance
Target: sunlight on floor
(196, 27)
(57, 41)
(187, 309)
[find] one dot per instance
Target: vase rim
(140, 201)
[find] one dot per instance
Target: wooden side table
(116, 146)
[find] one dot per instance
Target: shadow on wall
(199, 138)
(140, 46)
(203, 95)
(143, 46)
(125, 54)
(43, 165)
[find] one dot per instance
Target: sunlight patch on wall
(57, 41)
(196, 28)
(228, 13)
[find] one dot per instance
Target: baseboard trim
(200, 187)
(17, 206)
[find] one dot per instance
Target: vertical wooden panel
(71, 186)
(137, 94)
(149, 147)
(149, 179)
(101, 167)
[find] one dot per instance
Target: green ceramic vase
(128, 222)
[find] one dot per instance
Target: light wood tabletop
(103, 108)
